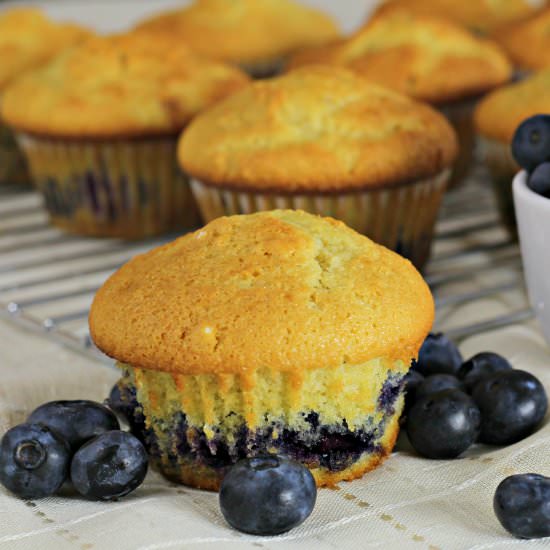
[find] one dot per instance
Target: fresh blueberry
(480, 366)
(413, 379)
(512, 404)
(77, 421)
(437, 383)
(443, 424)
(267, 495)
(522, 505)
(109, 466)
(539, 180)
(34, 460)
(438, 355)
(122, 400)
(531, 142)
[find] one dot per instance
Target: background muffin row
(100, 122)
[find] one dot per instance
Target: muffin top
(282, 289)
(528, 43)
(28, 38)
(502, 111)
(424, 57)
(318, 128)
(118, 86)
(478, 15)
(246, 31)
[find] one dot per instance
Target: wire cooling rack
(48, 279)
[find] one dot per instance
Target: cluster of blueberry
(452, 403)
(80, 441)
(531, 149)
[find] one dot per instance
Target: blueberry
(413, 379)
(438, 355)
(122, 400)
(437, 383)
(34, 460)
(443, 424)
(539, 180)
(522, 505)
(77, 421)
(531, 142)
(512, 404)
(267, 495)
(480, 366)
(109, 466)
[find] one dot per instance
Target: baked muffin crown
(478, 15)
(119, 86)
(316, 129)
(527, 43)
(427, 58)
(246, 31)
(28, 38)
(501, 112)
(283, 290)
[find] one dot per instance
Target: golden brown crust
(478, 15)
(527, 43)
(28, 38)
(501, 112)
(316, 129)
(430, 59)
(246, 31)
(281, 288)
(119, 86)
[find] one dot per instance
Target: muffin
(255, 34)
(325, 140)
(99, 127)
(527, 43)
(478, 15)
(275, 332)
(429, 59)
(27, 39)
(496, 120)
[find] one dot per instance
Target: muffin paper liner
(13, 166)
(126, 189)
(502, 168)
(401, 218)
(460, 115)
(195, 426)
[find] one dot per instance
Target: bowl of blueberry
(531, 188)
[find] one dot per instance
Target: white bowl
(533, 217)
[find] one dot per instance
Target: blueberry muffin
(496, 120)
(99, 127)
(255, 34)
(27, 39)
(429, 59)
(275, 332)
(478, 15)
(325, 140)
(527, 43)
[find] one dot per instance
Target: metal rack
(48, 279)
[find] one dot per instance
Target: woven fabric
(409, 502)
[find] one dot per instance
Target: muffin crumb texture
(431, 59)
(319, 129)
(281, 289)
(118, 87)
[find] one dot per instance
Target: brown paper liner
(401, 218)
(460, 115)
(125, 189)
(502, 168)
(13, 166)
